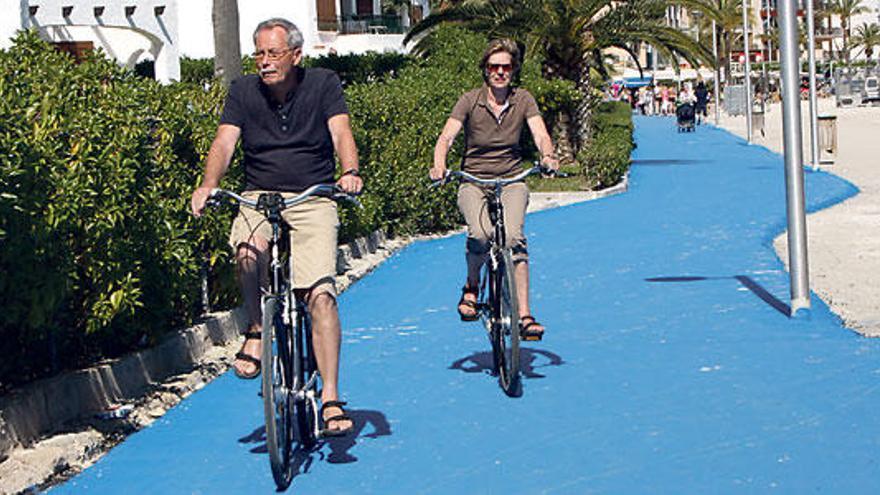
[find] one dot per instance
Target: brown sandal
(343, 416)
(468, 304)
(240, 355)
(527, 332)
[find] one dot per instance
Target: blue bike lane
(669, 366)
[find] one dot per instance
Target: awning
(637, 82)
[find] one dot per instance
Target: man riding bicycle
(493, 117)
(290, 121)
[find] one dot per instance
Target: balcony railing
(363, 24)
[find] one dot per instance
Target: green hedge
(98, 250)
(606, 159)
(352, 69)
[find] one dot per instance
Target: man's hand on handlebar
(350, 184)
(199, 200)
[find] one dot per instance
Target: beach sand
(843, 242)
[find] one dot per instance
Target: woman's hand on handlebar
(550, 163)
(438, 172)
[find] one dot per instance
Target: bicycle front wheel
(277, 378)
(505, 332)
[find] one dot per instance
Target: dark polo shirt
(287, 146)
(492, 144)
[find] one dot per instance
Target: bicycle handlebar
(458, 174)
(335, 193)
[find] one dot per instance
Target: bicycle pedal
(530, 339)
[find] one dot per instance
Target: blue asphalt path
(670, 365)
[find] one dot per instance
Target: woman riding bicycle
(492, 117)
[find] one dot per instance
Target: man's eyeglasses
(500, 67)
(272, 54)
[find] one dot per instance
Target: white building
(128, 31)
(131, 31)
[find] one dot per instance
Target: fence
(364, 24)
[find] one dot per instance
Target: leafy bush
(196, 70)
(96, 246)
(606, 159)
(352, 69)
(359, 69)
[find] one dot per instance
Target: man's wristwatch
(352, 171)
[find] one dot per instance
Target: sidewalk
(670, 364)
(844, 241)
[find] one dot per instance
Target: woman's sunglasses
(499, 67)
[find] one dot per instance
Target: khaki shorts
(474, 206)
(314, 227)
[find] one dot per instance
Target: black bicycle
(497, 303)
(289, 369)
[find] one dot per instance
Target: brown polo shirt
(492, 142)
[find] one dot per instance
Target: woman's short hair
(501, 45)
(294, 35)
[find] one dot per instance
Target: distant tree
(866, 38)
(846, 9)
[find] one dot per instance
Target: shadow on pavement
(746, 281)
(302, 459)
(529, 360)
(340, 446)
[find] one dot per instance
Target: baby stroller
(685, 115)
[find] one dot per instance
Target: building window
(77, 49)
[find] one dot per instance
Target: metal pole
(814, 106)
(748, 73)
(767, 34)
(792, 143)
(717, 73)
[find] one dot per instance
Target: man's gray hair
(294, 35)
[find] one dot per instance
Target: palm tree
(569, 35)
(227, 47)
(846, 9)
(866, 38)
(727, 15)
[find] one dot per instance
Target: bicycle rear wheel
(277, 378)
(505, 328)
(306, 383)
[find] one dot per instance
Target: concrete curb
(37, 410)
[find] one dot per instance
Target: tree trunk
(562, 139)
(227, 48)
(583, 120)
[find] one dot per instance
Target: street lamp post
(717, 83)
(748, 73)
(814, 107)
(792, 142)
(767, 34)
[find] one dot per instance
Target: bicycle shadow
(340, 446)
(529, 360)
(302, 459)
